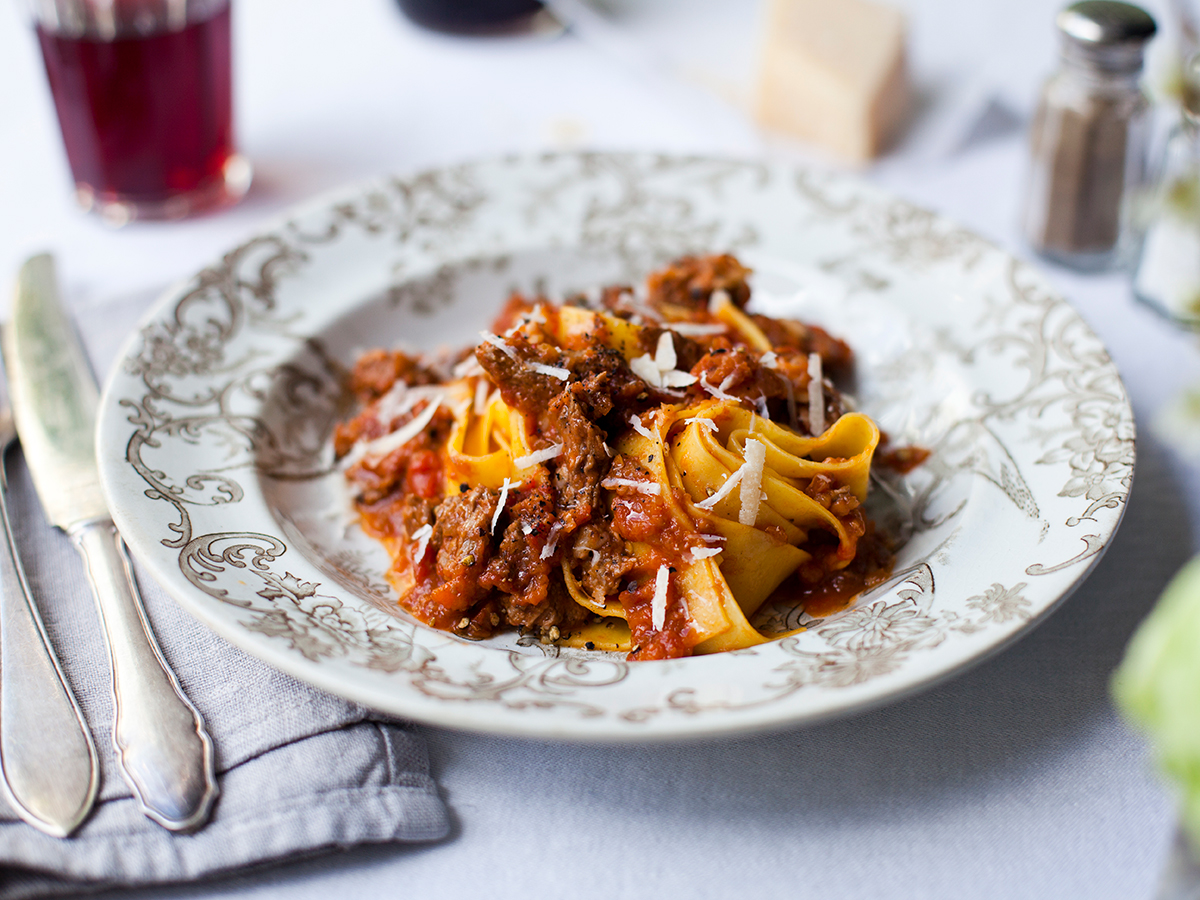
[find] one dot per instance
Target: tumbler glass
(143, 91)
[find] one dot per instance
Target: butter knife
(47, 758)
(162, 747)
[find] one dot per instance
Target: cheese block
(834, 74)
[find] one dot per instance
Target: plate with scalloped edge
(215, 424)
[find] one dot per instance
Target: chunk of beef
(517, 568)
(604, 564)
(463, 542)
(690, 281)
(377, 370)
(584, 461)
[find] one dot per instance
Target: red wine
(145, 118)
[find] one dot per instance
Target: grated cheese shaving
(658, 605)
(724, 490)
(697, 329)
(659, 370)
(538, 456)
(636, 422)
(816, 395)
(664, 353)
(677, 378)
(382, 446)
(702, 420)
(552, 542)
(646, 487)
(422, 536)
(762, 408)
(526, 528)
(712, 538)
(718, 392)
(768, 360)
(699, 553)
(644, 368)
(553, 371)
(499, 342)
(503, 501)
(717, 299)
(752, 493)
(468, 367)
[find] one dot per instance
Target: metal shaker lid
(1106, 33)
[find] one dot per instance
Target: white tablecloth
(1016, 779)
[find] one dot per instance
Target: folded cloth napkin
(300, 771)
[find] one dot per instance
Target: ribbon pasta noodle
(627, 474)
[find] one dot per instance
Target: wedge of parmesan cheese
(835, 74)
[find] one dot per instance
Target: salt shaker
(1168, 271)
(1088, 140)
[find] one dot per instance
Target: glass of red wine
(143, 91)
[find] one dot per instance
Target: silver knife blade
(54, 399)
(163, 748)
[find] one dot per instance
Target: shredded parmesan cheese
(382, 446)
(499, 342)
(552, 542)
(703, 421)
(717, 299)
(725, 490)
(712, 538)
(644, 368)
(664, 353)
(697, 329)
(718, 392)
(468, 367)
(641, 429)
(659, 371)
(422, 536)
(503, 501)
(699, 553)
(538, 456)
(768, 360)
(553, 371)
(751, 495)
(646, 487)
(658, 605)
(816, 395)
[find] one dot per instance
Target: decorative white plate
(214, 432)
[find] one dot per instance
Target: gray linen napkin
(300, 771)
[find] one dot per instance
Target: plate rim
(876, 693)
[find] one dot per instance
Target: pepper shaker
(1088, 140)
(1168, 272)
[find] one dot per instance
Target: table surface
(1015, 779)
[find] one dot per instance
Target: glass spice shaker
(1089, 136)
(1168, 271)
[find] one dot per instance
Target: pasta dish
(630, 470)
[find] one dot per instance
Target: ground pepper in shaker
(1088, 140)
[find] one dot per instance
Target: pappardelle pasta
(634, 470)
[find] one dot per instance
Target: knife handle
(47, 758)
(163, 749)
